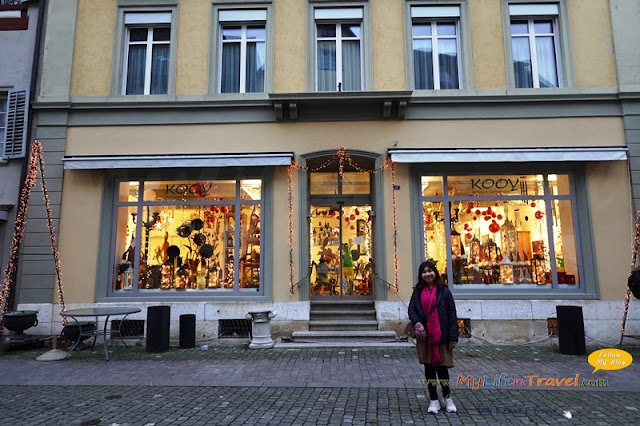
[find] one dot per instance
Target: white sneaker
(450, 406)
(434, 406)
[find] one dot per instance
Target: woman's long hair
(432, 265)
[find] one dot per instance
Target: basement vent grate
(234, 328)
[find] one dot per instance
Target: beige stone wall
(290, 46)
(79, 234)
(592, 43)
(487, 43)
(610, 207)
(611, 228)
(93, 55)
(388, 45)
(193, 47)
(591, 40)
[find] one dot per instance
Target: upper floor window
(435, 32)
(339, 49)
(534, 45)
(146, 53)
(14, 115)
(242, 61)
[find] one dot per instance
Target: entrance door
(341, 258)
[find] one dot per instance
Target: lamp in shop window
(509, 239)
(456, 243)
(506, 271)
(490, 252)
(128, 278)
(475, 250)
(538, 269)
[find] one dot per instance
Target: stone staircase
(344, 322)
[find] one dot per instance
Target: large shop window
(192, 236)
(502, 231)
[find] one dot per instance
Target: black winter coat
(446, 308)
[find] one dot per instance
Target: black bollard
(158, 321)
(187, 331)
(571, 330)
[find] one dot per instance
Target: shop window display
(188, 235)
(490, 231)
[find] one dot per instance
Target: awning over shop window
(514, 155)
(82, 162)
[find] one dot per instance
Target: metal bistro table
(106, 312)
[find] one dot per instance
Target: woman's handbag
(410, 331)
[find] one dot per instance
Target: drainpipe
(35, 65)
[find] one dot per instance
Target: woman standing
(433, 314)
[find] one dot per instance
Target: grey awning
(499, 155)
(84, 162)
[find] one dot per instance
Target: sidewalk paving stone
(324, 386)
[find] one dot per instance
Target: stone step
(343, 315)
(342, 305)
(345, 336)
(338, 325)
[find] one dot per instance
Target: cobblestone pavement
(327, 386)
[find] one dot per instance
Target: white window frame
(243, 19)
(338, 14)
(433, 15)
(531, 12)
(150, 21)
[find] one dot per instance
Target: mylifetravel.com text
(530, 380)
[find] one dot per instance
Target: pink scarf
(428, 300)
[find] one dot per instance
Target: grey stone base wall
(492, 322)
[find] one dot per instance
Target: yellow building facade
(234, 156)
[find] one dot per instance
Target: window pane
(125, 248)
(230, 73)
(448, 58)
(136, 70)
(485, 185)
(559, 184)
(128, 191)
(255, 67)
(356, 183)
(522, 62)
(249, 262)
(431, 186)
(159, 69)
(190, 190)
(326, 66)
(421, 30)
(423, 64)
(351, 30)
(326, 30)
(542, 27)
(547, 71)
(250, 189)
(565, 243)
(256, 33)
(434, 234)
(519, 27)
(231, 33)
(446, 28)
(161, 34)
(323, 183)
(138, 34)
(351, 65)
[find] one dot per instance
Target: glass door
(341, 258)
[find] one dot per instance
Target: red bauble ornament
(533, 204)
(478, 212)
(468, 211)
(469, 236)
(470, 205)
(493, 214)
(353, 227)
(499, 217)
(357, 212)
(475, 218)
(497, 204)
(494, 227)
(352, 217)
(539, 214)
